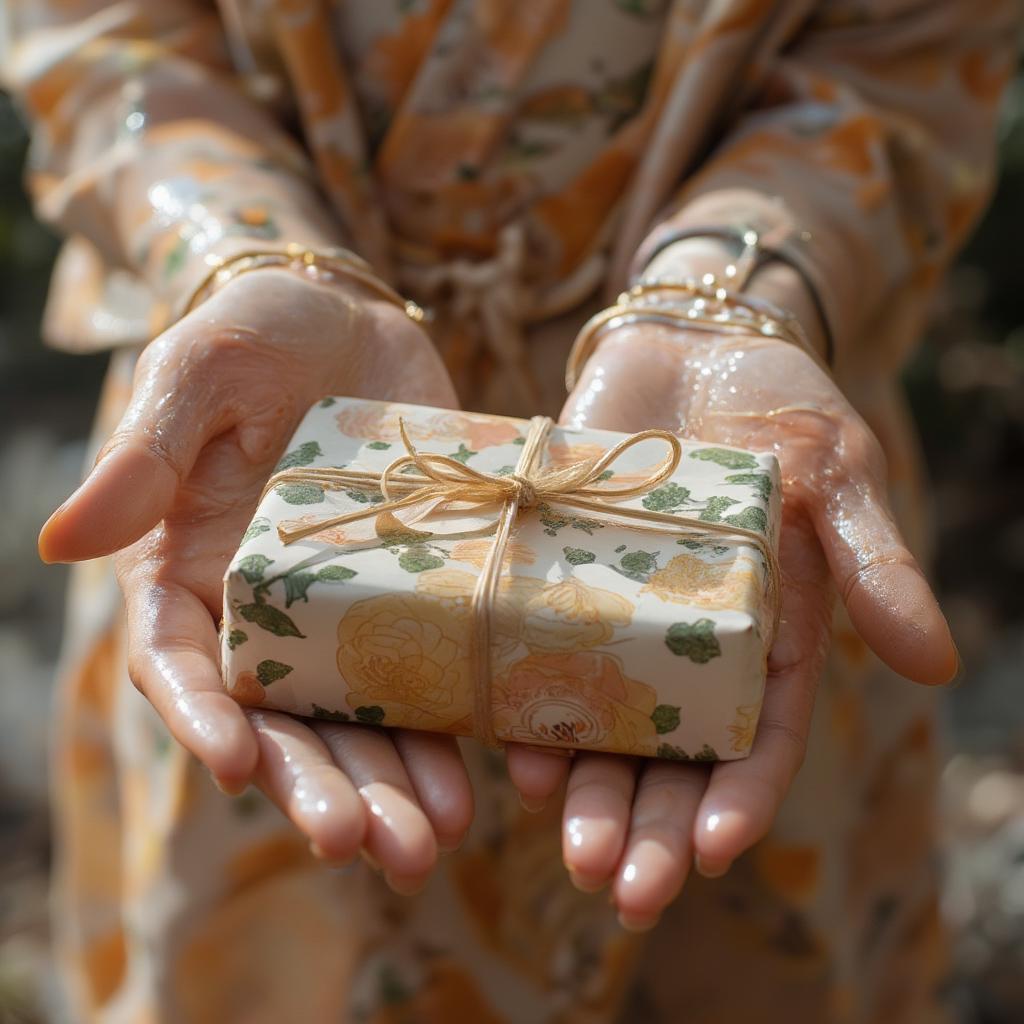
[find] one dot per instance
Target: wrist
(774, 282)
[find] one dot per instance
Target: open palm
(215, 401)
(638, 824)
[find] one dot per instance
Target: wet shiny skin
(638, 826)
(217, 398)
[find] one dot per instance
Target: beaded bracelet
(327, 265)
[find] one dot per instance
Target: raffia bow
(444, 482)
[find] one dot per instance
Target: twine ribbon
(443, 482)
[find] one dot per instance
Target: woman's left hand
(637, 824)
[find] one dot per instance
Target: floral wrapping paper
(605, 636)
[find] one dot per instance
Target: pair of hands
(215, 402)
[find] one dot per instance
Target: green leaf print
(579, 556)
(693, 640)
(272, 619)
(378, 446)
(301, 456)
(665, 718)
(330, 716)
(257, 527)
(418, 559)
(236, 638)
(296, 585)
(335, 574)
(269, 671)
(326, 403)
(670, 752)
(364, 496)
(639, 563)
(725, 457)
(463, 455)
(176, 258)
(666, 499)
(519, 440)
(715, 506)
(620, 549)
(252, 567)
(504, 470)
(553, 520)
(751, 518)
(370, 714)
(301, 494)
(761, 482)
(689, 543)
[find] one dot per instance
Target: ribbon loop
(440, 481)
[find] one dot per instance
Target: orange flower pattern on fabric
(572, 144)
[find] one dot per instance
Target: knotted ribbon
(443, 482)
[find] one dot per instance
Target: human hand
(638, 824)
(216, 399)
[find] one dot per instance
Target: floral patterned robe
(501, 161)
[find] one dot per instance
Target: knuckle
(865, 451)
(792, 739)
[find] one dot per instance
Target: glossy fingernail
(371, 863)
(228, 787)
(586, 884)
(406, 886)
(532, 804)
(327, 859)
(711, 869)
(637, 924)
(958, 675)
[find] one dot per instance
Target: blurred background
(967, 391)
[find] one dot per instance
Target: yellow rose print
(581, 699)
(571, 615)
(409, 657)
(743, 727)
(372, 422)
(688, 579)
(473, 552)
(454, 588)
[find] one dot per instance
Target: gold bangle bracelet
(689, 318)
(334, 263)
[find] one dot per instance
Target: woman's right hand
(216, 399)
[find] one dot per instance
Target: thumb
(138, 472)
(885, 591)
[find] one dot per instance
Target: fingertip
(895, 611)
(720, 837)
(537, 774)
(232, 756)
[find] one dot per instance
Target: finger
(743, 797)
(536, 773)
(173, 412)
(885, 592)
(298, 773)
(399, 837)
(439, 780)
(595, 821)
(658, 851)
(173, 659)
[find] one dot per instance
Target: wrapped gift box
(605, 635)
